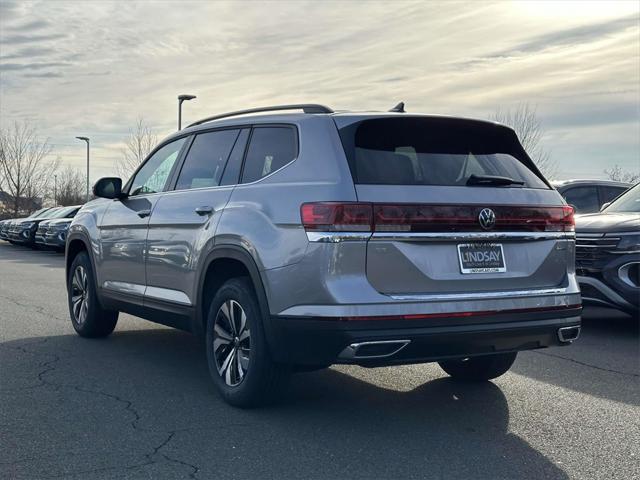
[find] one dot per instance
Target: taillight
(423, 218)
(369, 217)
(568, 220)
(329, 216)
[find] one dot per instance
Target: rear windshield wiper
(491, 180)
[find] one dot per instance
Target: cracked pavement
(140, 405)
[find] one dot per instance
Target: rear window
(583, 199)
(434, 151)
(270, 149)
(611, 193)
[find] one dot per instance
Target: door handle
(144, 213)
(202, 211)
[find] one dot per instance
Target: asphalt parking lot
(140, 405)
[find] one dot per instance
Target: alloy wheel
(80, 294)
(231, 342)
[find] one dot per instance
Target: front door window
(153, 176)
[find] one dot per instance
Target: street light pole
(86, 140)
(182, 98)
(55, 190)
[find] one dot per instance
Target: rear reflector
(330, 216)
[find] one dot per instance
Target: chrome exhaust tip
(568, 334)
(374, 349)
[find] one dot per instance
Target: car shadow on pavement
(607, 351)
(24, 254)
(329, 424)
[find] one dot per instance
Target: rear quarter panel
(264, 217)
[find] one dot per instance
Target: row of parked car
(45, 228)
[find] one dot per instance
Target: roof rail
(305, 107)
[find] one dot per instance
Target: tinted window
(231, 173)
(40, 212)
(270, 148)
(65, 212)
(629, 202)
(153, 175)
(424, 151)
(49, 213)
(609, 193)
(206, 159)
(584, 199)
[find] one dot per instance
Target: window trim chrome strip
(484, 295)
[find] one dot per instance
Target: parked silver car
(292, 241)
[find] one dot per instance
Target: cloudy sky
(92, 68)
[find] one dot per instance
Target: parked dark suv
(608, 254)
(22, 230)
(292, 241)
(52, 233)
(588, 196)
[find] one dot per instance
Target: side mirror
(108, 187)
(605, 205)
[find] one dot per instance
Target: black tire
(88, 318)
(263, 379)
(480, 368)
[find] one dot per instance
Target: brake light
(329, 216)
(368, 217)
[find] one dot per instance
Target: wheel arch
(75, 245)
(221, 264)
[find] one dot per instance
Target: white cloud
(93, 70)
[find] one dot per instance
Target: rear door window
(608, 194)
(206, 159)
(270, 149)
(583, 199)
(425, 151)
(231, 174)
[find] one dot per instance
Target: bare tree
(618, 174)
(26, 173)
(70, 188)
(138, 145)
(524, 120)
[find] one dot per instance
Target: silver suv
(293, 241)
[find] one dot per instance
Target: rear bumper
(312, 341)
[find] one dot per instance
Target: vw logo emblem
(487, 218)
